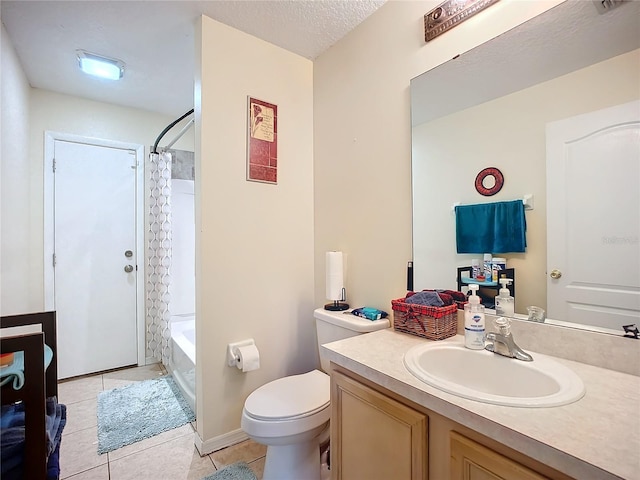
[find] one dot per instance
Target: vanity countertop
(596, 437)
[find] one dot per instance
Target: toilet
(290, 415)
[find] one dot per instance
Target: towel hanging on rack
(498, 227)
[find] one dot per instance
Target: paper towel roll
(248, 358)
(334, 275)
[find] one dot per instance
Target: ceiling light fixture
(100, 66)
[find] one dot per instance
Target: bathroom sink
(487, 377)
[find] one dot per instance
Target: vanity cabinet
(472, 461)
(374, 436)
(378, 435)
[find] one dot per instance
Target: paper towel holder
(335, 282)
(338, 305)
(233, 357)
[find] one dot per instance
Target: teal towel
(14, 373)
(498, 227)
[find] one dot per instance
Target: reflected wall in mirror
(490, 107)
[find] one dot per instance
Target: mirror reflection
(553, 105)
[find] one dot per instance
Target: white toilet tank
(333, 326)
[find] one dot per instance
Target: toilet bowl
(290, 415)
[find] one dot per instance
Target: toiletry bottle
(497, 265)
(504, 300)
(475, 268)
(488, 267)
(474, 321)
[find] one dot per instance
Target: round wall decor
(488, 190)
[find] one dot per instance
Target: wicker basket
(434, 323)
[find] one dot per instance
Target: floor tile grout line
(78, 430)
(77, 401)
(83, 471)
(143, 449)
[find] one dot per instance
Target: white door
(593, 218)
(95, 257)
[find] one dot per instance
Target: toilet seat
(288, 406)
(290, 397)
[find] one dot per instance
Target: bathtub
(182, 362)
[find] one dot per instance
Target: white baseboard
(219, 442)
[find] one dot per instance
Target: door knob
(555, 274)
(128, 253)
(128, 268)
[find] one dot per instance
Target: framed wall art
(262, 141)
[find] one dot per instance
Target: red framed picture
(262, 141)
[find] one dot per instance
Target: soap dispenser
(474, 321)
(504, 300)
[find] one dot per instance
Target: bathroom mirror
(489, 107)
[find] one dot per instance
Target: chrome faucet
(502, 342)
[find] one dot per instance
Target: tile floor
(168, 456)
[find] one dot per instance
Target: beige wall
(254, 241)
(15, 294)
(518, 150)
(362, 138)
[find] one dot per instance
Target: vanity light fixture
(99, 65)
(451, 13)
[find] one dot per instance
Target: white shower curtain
(159, 257)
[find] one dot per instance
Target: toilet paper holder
(233, 357)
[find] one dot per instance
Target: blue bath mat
(141, 410)
(235, 471)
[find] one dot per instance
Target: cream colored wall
(362, 138)
(508, 133)
(254, 241)
(15, 294)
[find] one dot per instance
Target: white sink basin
(491, 378)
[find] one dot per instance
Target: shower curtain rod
(169, 127)
(180, 134)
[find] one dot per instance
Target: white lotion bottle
(504, 301)
(474, 328)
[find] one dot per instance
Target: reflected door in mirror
(593, 188)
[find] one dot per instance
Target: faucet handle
(503, 325)
(631, 331)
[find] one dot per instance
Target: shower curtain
(159, 257)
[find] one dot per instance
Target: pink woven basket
(434, 323)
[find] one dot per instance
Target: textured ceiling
(152, 37)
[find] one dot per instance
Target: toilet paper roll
(334, 275)
(247, 358)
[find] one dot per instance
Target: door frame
(50, 138)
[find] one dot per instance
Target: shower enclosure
(170, 265)
(182, 359)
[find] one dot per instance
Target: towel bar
(527, 200)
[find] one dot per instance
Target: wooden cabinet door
(472, 461)
(373, 436)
